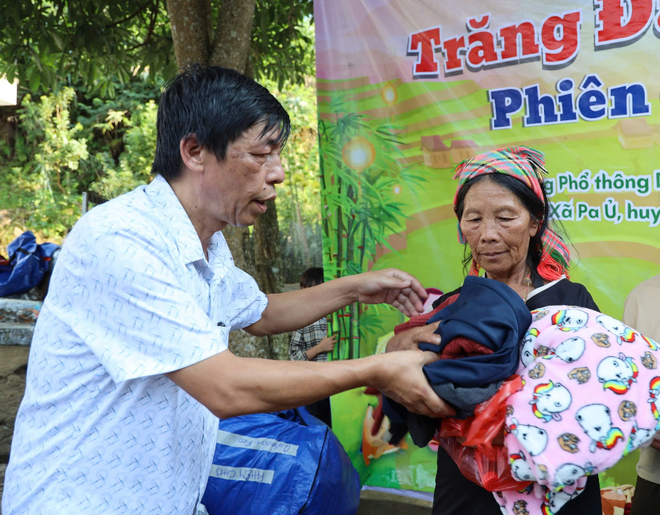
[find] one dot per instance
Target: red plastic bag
(490, 472)
(473, 443)
(486, 425)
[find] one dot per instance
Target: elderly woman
(502, 212)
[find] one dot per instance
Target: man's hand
(401, 379)
(392, 286)
(410, 339)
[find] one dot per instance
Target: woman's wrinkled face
(497, 228)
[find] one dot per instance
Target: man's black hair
(216, 105)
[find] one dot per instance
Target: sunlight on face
(497, 228)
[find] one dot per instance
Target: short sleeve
(132, 310)
(248, 301)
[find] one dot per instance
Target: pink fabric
(591, 396)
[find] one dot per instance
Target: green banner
(408, 89)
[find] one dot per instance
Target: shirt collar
(162, 196)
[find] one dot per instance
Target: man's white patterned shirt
(101, 429)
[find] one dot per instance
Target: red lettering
(424, 44)
(615, 24)
(526, 34)
(560, 37)
(482, 49)
(451, 48)
(479, 23)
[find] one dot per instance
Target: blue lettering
(592, 102)
(566, 101)
(540, 108)
(504, 103)
(629, 100)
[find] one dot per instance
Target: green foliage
(104, 45)
(283, 41)
(135, 162)
(40, 183)
(100, 44)
(107, 150)
(298, 198)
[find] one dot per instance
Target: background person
(502, 212)
(642, 311)
(312, 343)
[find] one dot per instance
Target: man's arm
(292, 310)
(230, 386)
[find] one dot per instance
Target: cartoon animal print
(550, 399)
(533, 438)
(627, 410)
(538, 314)
(569, 350)
(499, 499)
(569, 473)
(520, 468)
(569, 442)
(622, 332)
(637, 438)
(596, 422)
(601, 339)
(649, 361)
(651, 343)
(527, 353)
(554, 501)
(570, 319)
(537, 372)
(617, 374)
(654, 392)
(509, 410)
(520, 508)
(542, 351)
(580, 374)
(541, 472)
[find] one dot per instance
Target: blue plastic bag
(27, 265)
(280, 464)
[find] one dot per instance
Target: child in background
(312, 343)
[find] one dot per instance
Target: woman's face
(497, 228)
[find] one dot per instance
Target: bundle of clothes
(589, 395)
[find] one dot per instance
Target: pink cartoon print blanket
(591, 395)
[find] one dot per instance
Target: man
(129, 361)
(642, 312)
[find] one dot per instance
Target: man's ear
(191, 153)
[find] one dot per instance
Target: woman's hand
(410, 339)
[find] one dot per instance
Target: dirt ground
(13, 365)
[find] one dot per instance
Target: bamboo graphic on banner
(359, 173)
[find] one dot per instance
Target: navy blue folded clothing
(487, 312)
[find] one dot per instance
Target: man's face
(236, 189)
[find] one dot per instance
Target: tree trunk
(269, 268)
(191, 31)
(233, 35)
(192, 35)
